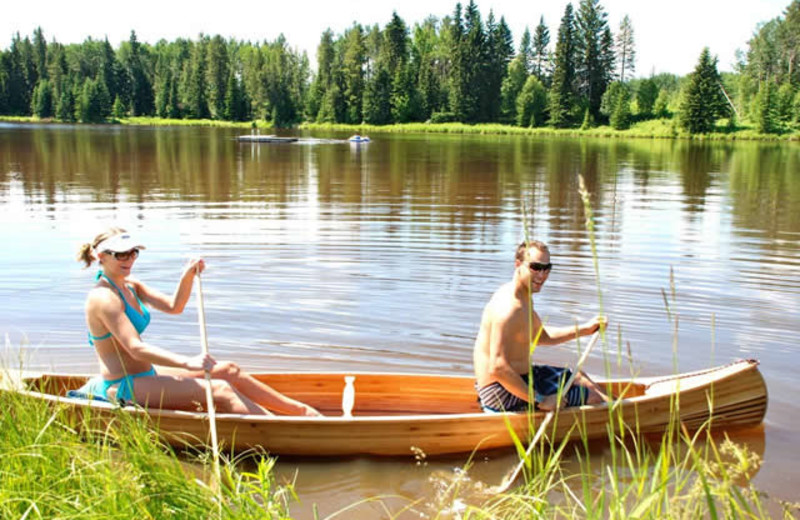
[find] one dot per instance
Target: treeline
(768, 80)
(457, 68)
(207, 78)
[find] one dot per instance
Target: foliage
(616, 105)
(703, 101)
(765, 109)
(646, 95)
(511, 88)
(531, 103)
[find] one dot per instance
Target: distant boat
(266, 139)
(397, 413)
(359, 139)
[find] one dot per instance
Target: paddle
(511, 477)
(212, 416)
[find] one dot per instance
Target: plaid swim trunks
(546, 381)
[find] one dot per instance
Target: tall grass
(57, 466)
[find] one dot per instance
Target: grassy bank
(651, 129)
(56, 467)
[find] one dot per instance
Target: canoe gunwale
(739, 365)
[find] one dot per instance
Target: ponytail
(86, 253)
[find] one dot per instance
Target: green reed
(57, 466)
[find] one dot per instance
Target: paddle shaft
(509, 480)
(212, 416)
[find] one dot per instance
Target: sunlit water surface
(329, 256)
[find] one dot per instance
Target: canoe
(396, 414)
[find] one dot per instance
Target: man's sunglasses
(125, 255)
(538, 266)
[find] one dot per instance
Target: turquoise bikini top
(140, 321)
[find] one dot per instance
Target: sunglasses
(125, 255)
(538, 266)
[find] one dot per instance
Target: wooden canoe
(396, 414)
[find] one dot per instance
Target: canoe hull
(397, 414)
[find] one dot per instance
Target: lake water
(324, 255)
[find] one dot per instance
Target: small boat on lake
(358, 139)
(396, 414)
(253, 138)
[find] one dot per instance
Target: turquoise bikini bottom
(97, 387)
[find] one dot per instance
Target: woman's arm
(108, 309)
(176, 303)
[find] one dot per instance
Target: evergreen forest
(462, 67)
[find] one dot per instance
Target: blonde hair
(523, 247)
(86, 251)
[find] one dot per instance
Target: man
(502, 348)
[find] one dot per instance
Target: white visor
(119, 244)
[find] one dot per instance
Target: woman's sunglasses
(125, 255)
(538, 266)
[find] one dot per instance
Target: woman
(116, 315)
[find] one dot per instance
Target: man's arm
(500, 369)
(558, 335)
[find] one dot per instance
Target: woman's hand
(194, 266)
(200, 362)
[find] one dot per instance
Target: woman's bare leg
(188, 393)
(256, 391)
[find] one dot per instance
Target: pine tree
(353, 63)
(626, 51)
(405, 102)
(475, 60)
(592, 71)
(766, 117)
(196, 96)
(142, 97)
(40, 54)
(43, 99)
(377, 98)
(18, 94)
(526, 51)
(459, 86)
(118, 109)
(427, 54)
(217, 73)
(541, 54)
(561, 91)
(703, 101)
(65, 108)
(500, 51)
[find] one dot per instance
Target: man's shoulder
(502, 304)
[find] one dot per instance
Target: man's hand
(595, 324)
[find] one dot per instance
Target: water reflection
(324, 256)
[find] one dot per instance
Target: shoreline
(650, 129)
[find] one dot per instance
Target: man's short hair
(523, 247)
